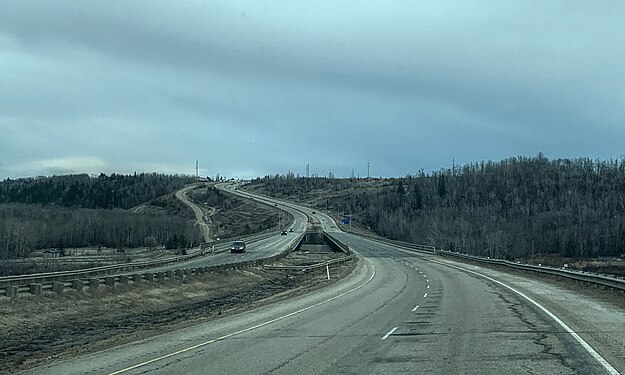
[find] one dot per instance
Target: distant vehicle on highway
(238, 247)
(283, 233)
(290, 229)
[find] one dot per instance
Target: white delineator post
(328, 271)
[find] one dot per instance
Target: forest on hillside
(510, 209)
(84, 191)
(79, 210)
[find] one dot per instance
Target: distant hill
(510, 209)
(79, 210)
(81, 190)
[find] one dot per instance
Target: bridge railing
(83, 281)
(605, 281)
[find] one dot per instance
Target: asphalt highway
(399, 312)
(197, 211)
(257, 250)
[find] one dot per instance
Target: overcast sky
(256, 87)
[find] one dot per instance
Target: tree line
(24, 228)
(514, 208)
(82, 190)
(79, 210)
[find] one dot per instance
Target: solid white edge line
(415, 308)
(243, 330)
(389, 333)
(606, 365)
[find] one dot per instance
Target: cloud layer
(250, 88)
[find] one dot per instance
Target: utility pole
(368, 174)
(307, 170)
(197, 170)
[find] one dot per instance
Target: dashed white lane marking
(606, 365)
(427, 281)
(425, 295)
(415, 308)
(427, 287)
(424, 276)
(389, 333)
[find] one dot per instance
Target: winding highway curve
(398, 312)
(197, 211)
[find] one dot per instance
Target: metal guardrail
(602, 280)
(61, 275)
(311, 266)
(336, 244)
(94, 283)
(36, 284)
(421, 248)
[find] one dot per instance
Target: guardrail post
(78, 285)
(11, 291)
(149, 276)
(109, 281)
(136, 278)
(35, 289)
(58, 287)
(94, 284)
(124, 279)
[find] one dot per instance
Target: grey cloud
(251, 88)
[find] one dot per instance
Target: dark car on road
(238, 247)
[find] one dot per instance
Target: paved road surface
(197, 211)
(399, 312)
(257, 250)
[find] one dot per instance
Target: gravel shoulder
(37, 330)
